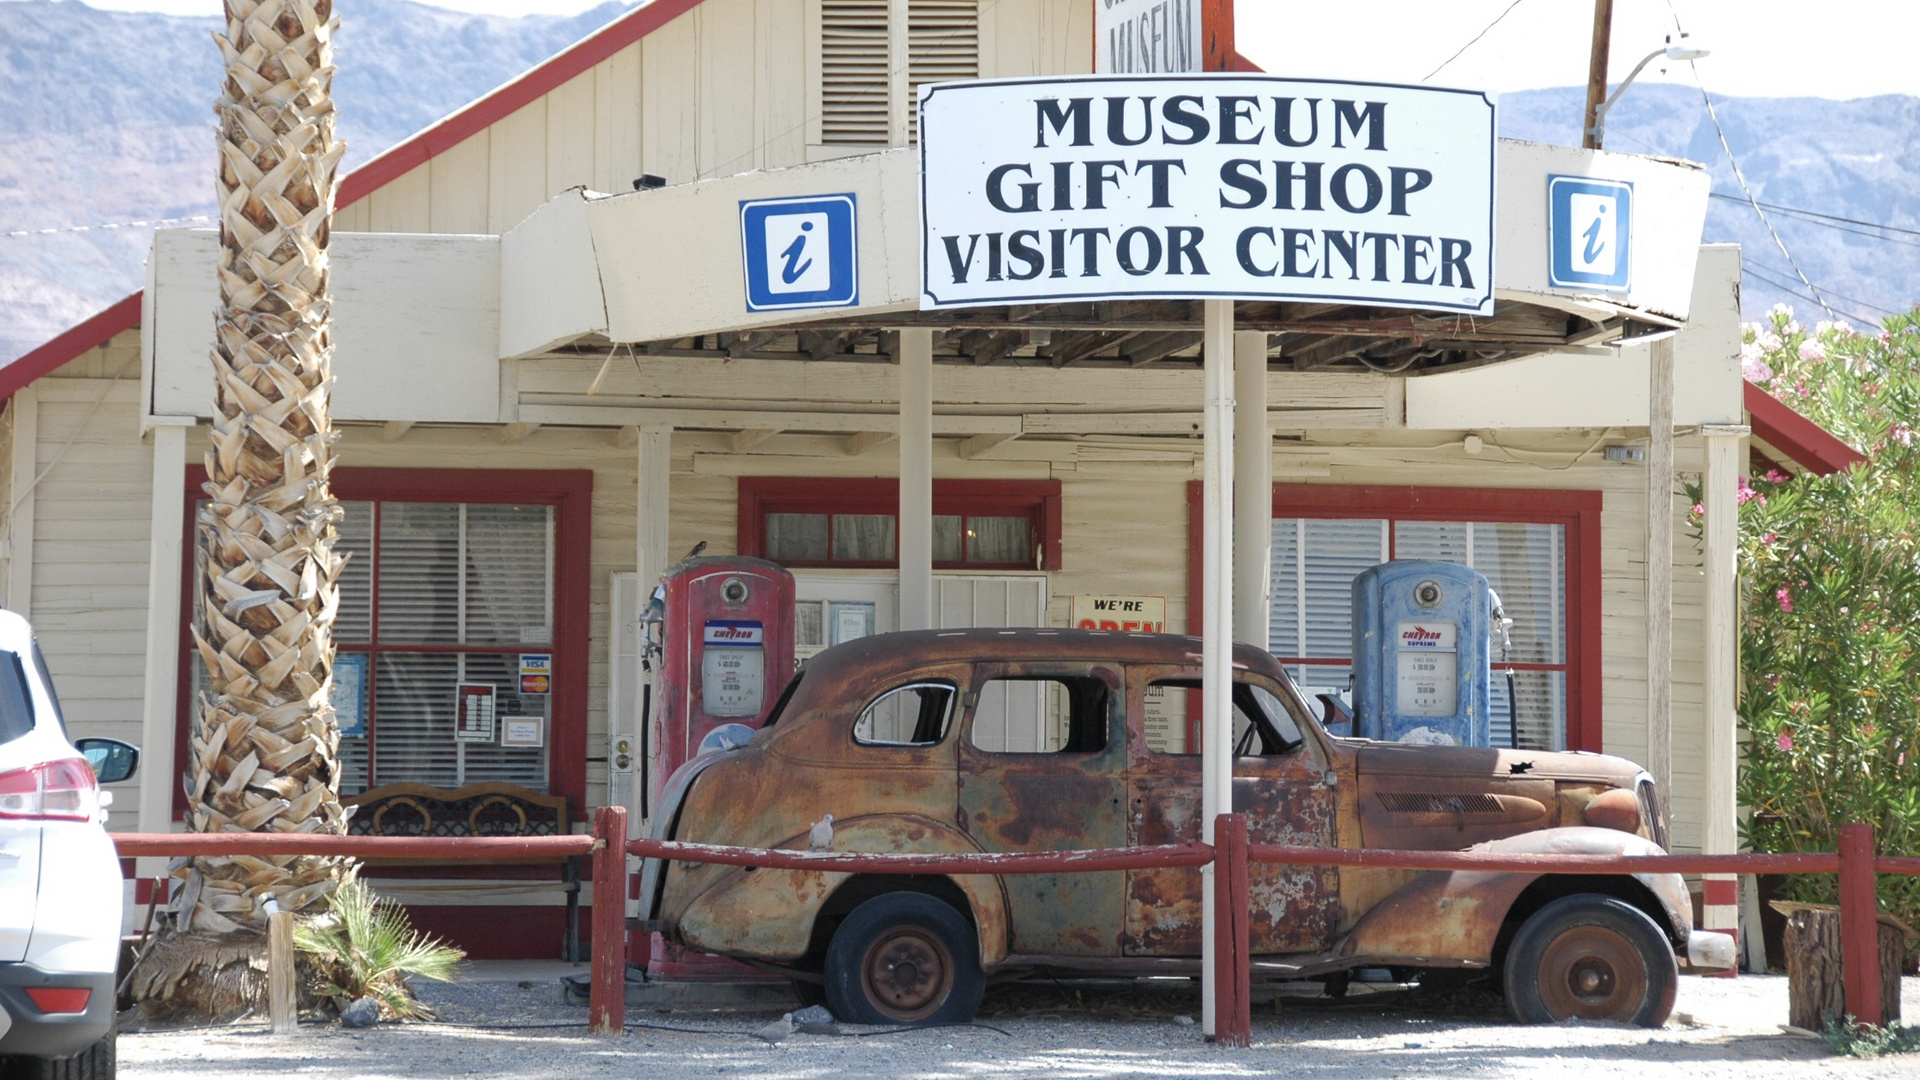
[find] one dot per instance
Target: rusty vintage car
(1041, 740)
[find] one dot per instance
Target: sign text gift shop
(1186, 187)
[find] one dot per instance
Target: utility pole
(1597, 71)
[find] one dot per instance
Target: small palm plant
(365, 947)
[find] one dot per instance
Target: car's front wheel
(96, 1062)
(1590, 957)
(904, 958)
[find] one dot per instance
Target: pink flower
(1768, 538)
(1902, 434)
(1698, 509)
(1775, 476)
(1812, 351)
(1745, 494)
(1785, 741)
(1786, 599)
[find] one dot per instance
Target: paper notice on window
(524, 731)
(473, 712)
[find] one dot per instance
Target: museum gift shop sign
(1249, 187)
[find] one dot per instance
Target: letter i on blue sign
(800, 252)
(1590, 233)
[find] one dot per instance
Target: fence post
(1859, 926)
(1232, 970)
(607, 1001)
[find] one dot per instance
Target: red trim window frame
(1577, 511)
(1036, 500)
(568, 491)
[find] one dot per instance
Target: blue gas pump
(1421, 642)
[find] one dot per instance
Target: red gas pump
(725, 653)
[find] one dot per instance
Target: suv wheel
(96, 1062)
(1591, 957)
(904, 958)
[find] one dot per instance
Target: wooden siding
(729, 86)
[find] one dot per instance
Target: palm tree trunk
(263, 755)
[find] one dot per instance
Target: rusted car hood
(1384, 759)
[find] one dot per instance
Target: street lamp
(1671, 51)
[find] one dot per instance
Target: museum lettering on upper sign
(1245, 187)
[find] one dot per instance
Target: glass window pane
(1335, 552)
(1527, 566)
(413, 719)
(998, 540)
(797, 537)
(863, 537)
(354, 539)
(489, 761)
(419, 569)
(946, 538)
(1541, 723)
(509, 575)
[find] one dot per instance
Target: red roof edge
(445, 134)
(1810, 446)
(1241, 63)
(124, 314)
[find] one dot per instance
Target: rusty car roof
(993, 644)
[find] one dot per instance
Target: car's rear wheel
(904, 958)
(96, 1062)
(1591, 957)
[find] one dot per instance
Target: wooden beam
(862, 441)
(980, 444)
(1159, 347)
(627, 436)
(514, 432)
(394, 430)
(1659, 539)
(748, 438)
(745, 415)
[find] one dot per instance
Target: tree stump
(1815, 990)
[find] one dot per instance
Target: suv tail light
(61, 790)
(60, 999)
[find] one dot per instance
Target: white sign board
(1187, 187)
(1127, 614)
(1147, 36)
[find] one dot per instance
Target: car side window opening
(1041, 715)
(1262, 725)
(16, 704)
(916, 714)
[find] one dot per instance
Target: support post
(916, 479)
(1597, 71)
(1252, 490)
(1859, 926)
(1233, 964)
(607, 999)
(652, 556)
(25, 407)
(1719, 832)
(1660, 566)
(283, 1004)
(900, 101)
(1216, 636)
(160, 696)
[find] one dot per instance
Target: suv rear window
(16, 707)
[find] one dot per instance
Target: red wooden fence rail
(1855, 862)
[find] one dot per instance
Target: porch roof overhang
(661, 271)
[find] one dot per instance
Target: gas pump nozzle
(1502, 625)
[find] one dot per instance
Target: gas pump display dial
(733, 670)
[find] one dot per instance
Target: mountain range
(106, 119)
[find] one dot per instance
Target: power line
(100, 228)
(1819, 217)
(1476, 39)
(1784, 287)
(1714, 115)
(1756, 263)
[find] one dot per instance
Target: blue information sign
(1590, 230)
(800, 252)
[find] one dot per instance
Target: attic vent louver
(943, 42)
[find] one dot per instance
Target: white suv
(60, 887)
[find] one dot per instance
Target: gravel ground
(1722, 1028)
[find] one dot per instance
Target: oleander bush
(1830, 619)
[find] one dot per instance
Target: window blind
(853, 72)
(943, 43)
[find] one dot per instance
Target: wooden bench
(491, 809)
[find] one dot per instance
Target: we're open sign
(1186, 186)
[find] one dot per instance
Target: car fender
(769, 914)
(1456, 915)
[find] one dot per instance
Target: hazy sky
(1761, 48)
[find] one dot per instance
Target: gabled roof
(390, 165)
(1799, 439)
